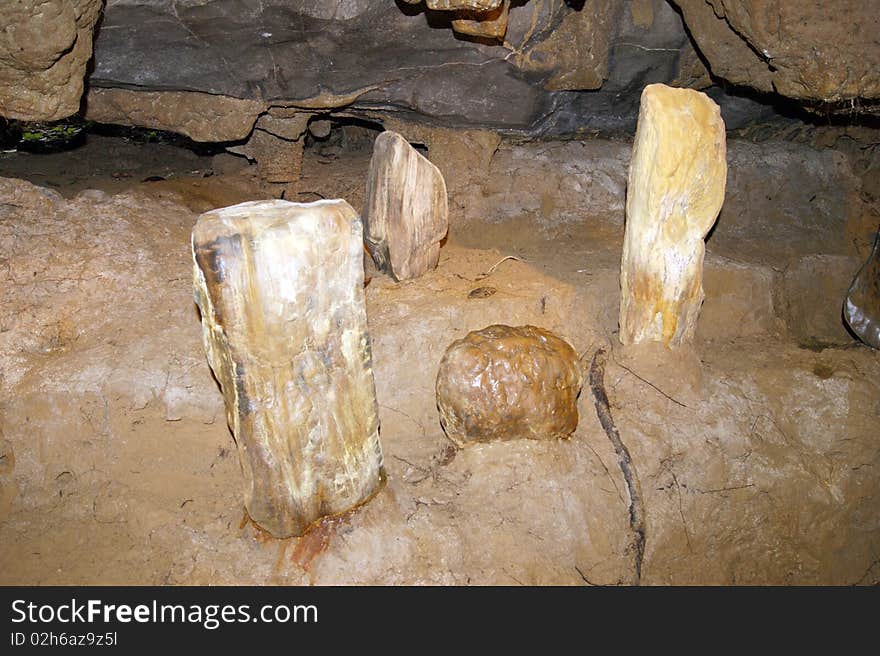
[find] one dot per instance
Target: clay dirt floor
(758, 449)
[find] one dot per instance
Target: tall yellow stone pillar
(676, 187)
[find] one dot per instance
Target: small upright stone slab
(280, 289)
(406, 210)
(676, 187)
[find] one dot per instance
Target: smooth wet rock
(677, 178)
(406, 211)
(280, 289)
(861, 309)
(504, 383)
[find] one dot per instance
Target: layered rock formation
(457, 63)
(280, 289)
(396, 59)
(276, 144)
(676, 187)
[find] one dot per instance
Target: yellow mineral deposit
(486, 24)
(676, 187)
(280, 289)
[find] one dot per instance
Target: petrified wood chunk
(280, 289)
(406, 212)
(503, 383)
(862, 306)
(676, 187)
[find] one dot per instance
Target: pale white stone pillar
(280, 289)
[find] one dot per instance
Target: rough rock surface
(45, 46)
(677, 178)
(406, 212)
(199, 116)
(280, 289)
(814, 288)
(806, 49)
(505, 383)
(279, 160)
(276, 145)
(8, 489)
(491, 25)
(554, 183)
(511, 71)
(817, 211)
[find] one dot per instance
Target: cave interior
(756, 441)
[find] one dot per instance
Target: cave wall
(208, 68)
(390, 58)
(816, 52)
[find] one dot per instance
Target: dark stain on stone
(823, 371)
(482, 292)
(211, 257)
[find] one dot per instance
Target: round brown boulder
(504, 383)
